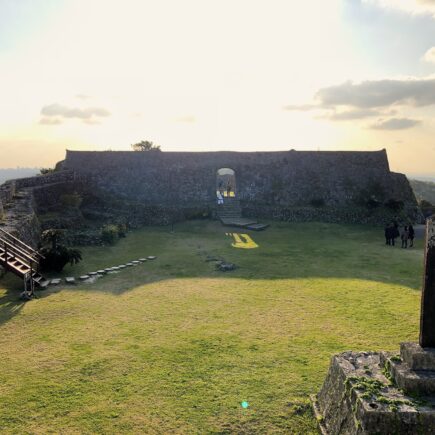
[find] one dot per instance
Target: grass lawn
(173, 346)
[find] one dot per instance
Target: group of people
(406, 235)
(221, 190)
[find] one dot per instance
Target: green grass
(173, 346)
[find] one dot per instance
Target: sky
(210, 75)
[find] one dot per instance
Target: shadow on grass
(286, 251)
(10, 304)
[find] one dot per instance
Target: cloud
(395, 124)
(88, 115)
(429, 56)
(83, 96)
(379, 93)
(348, 115)
(410, 6)
(50, 121)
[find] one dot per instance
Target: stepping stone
(93, 273)
(84, 277)
(55, 281)
(135, 262)
(151, 257)
(257, 227)
(142, 260)
(129, 264)
(109, 269)
(101, 272)
(70, 280)
(122, 266)
(115, 268)
(44, 284)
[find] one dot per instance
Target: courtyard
(176, 346)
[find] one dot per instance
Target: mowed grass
(173, 346)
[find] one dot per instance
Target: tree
(57, 255)
(145, 145)
(45, 171)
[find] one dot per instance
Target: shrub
(56, 255)
(110, 234)
(122, 230)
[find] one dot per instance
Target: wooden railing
(15, 249)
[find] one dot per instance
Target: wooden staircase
(22, 260)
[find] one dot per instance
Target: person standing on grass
(404, 236)
(388, 234)
(411, 235)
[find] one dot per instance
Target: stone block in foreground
(358, 397)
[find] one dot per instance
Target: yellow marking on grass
(242, 241)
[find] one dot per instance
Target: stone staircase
(230, 209)
(21, 260)
(230, 214)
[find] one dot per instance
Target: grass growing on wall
(173, 346)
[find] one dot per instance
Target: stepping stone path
(44, 284)
(90, 275)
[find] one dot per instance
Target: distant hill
(424, 190)
(12, 173)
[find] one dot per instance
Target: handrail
(15, 249)
(33, 251)
(20, 253)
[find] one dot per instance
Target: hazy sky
(218, 75)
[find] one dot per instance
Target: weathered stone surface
(135, 262)
(357, 398)
(225, 267)
(142, 260)
(93, 273)
(55, 281)
(151, 257)
(101, 272)
(70, 280)
(84, 277)
(416, 357)
(44, 284)
(129, 264)
(109, 269)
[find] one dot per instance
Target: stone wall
(42, 180)
(264, 180)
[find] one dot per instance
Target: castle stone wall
(284, 179)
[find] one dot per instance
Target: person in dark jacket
(404, 236)
(411, 236)
(389, 234)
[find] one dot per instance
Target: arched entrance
(226, 183)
